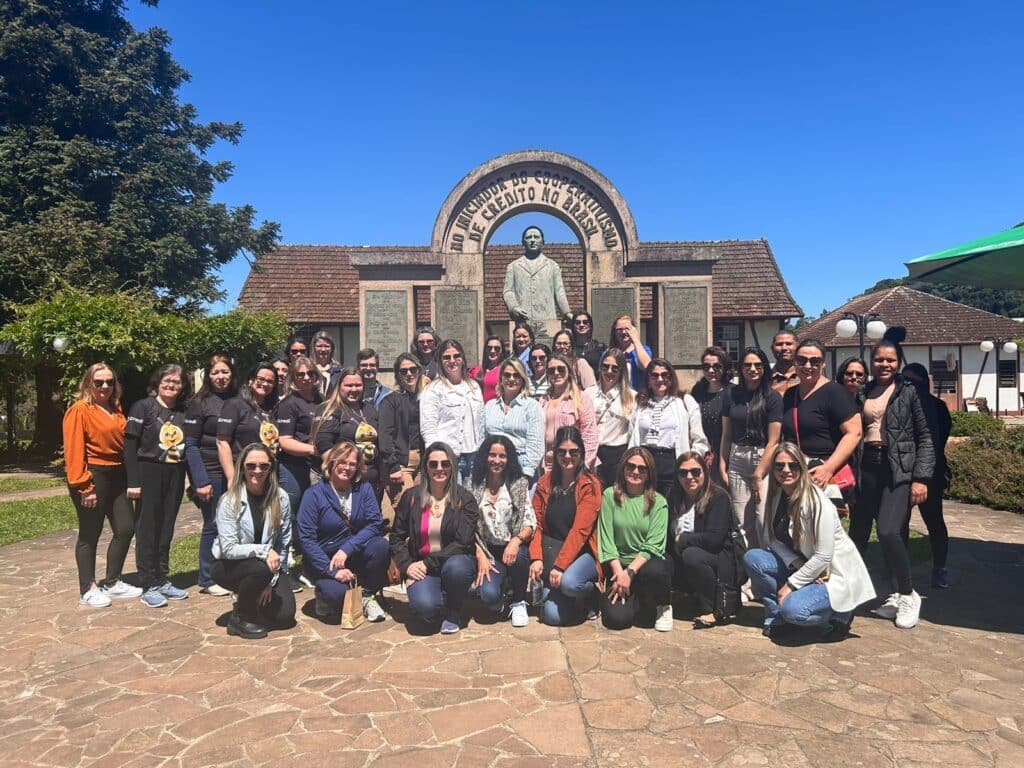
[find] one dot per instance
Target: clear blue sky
(853, 136)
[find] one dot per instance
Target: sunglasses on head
(792, 466)
(690, 472)
(443, 464)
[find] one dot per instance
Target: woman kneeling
(252, 532)
(340, 528)
(811, 574)
(632, 529)
(433, 540)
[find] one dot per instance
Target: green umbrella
(996, 261)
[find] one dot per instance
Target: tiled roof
(314, 284)
(928, 319)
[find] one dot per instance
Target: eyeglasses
(450, 358)
(814, 362)
(443, 464)
(539, 358)
(305, 375)
(347, 465)
(511, 377)
(268, 382)
(411, 371)
(582, 323)
(261, 466)
(792, 466)
(610, 367)
(428, 342)
(662, 376)
(572, 453)
(557, 370)
(691, 472)
(853, 375)
(754, 366)
(491, 348)
(296, 352)
(640, 469)
(712, 366)
(102, 383)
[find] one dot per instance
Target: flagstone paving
(133, 686)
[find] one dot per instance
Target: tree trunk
(47, 434)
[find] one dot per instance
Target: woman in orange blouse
(94, 461)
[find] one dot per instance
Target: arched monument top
(535, 180)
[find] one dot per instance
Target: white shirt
(452, 414)
(612, 423)
(684, 523)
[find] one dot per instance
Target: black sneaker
(296, 584)
(248, 630)
(837, 630)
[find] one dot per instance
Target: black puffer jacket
(907, 436)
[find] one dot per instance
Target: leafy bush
(989, 469)
(967, 424)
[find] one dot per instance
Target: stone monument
(534, 292)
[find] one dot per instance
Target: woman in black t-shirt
(344, 416)
(207, 476)
(708, 391)
(154, 457)
(751, 424)
(248, 418)
(821, 418)
(295, 415)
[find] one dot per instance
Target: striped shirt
(523, 424)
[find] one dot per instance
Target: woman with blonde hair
(613, 400)
(566, 405)
(452, 408)
(632, 528)
(342, 534)
(809, 573)
(253, 537)
(517, 416)
(344, 416)
(94, 462)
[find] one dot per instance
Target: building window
(943, 378)
(728, 336)
(1008, 373)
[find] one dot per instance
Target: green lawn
(185, 557)
(20, 520)
(17, 484)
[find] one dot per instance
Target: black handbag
(731, 574)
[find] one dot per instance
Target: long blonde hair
(626, 394)
(572, 389)
(332, 404)
(271, 498)
(805, 495)
(85, 385)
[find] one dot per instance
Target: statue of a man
(534, 292)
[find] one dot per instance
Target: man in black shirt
(373, 390)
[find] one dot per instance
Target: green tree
(105, 181)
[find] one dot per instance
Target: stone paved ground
(131, 686)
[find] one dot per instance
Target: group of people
(579, 479)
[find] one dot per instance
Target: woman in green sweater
(632, 529)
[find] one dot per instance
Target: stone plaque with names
(455, 315)
(686, 323)
(608, 303)
(387, 325)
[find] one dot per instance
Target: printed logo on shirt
(172, 443)
(366, 437)
(136, 419)
(221, 420)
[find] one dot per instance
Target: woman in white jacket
(452, 409)
(667, 422)
(811, 573)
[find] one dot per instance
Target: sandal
(701, 623)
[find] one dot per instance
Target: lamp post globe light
(1009, 346)
(59, 344)
(869, 324)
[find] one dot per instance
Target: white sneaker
(520, 618)
(215, 590)
(95, 598)
(908, 611)
(663, 618)
(887, 610)
(120, 591)
(372, 610)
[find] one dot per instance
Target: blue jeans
(492, 592)
(370, 565)
(565, 605)
(209, 533)
(294, 480)
(808, 606)
(435, 597)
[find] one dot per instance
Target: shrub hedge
(967, 424)
(989, 469)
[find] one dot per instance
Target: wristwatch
(631, 572)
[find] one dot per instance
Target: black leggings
(887, 506)
(665, 469)
(247, 578)
(162, 486)
(931, 513)
(111, 503)
(697, 571)
(652, 586)
(610, 456)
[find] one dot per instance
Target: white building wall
(758, 333)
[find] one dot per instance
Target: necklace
(436, 507)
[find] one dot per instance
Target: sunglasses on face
(812, 361)
(425, 342)
(557, 370)
(261, 466)
(305, 375)
(511, 377)
(662, 376)
(640, 469)
(443, 464)
(691, 472)
(792, 466)
(451, 358)
(102, 383)
(296, 352)
(610, 367)
(408, 371)
(494, 349)
(572, 453)
(712, 366)
(853, 375)
(582, 323)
